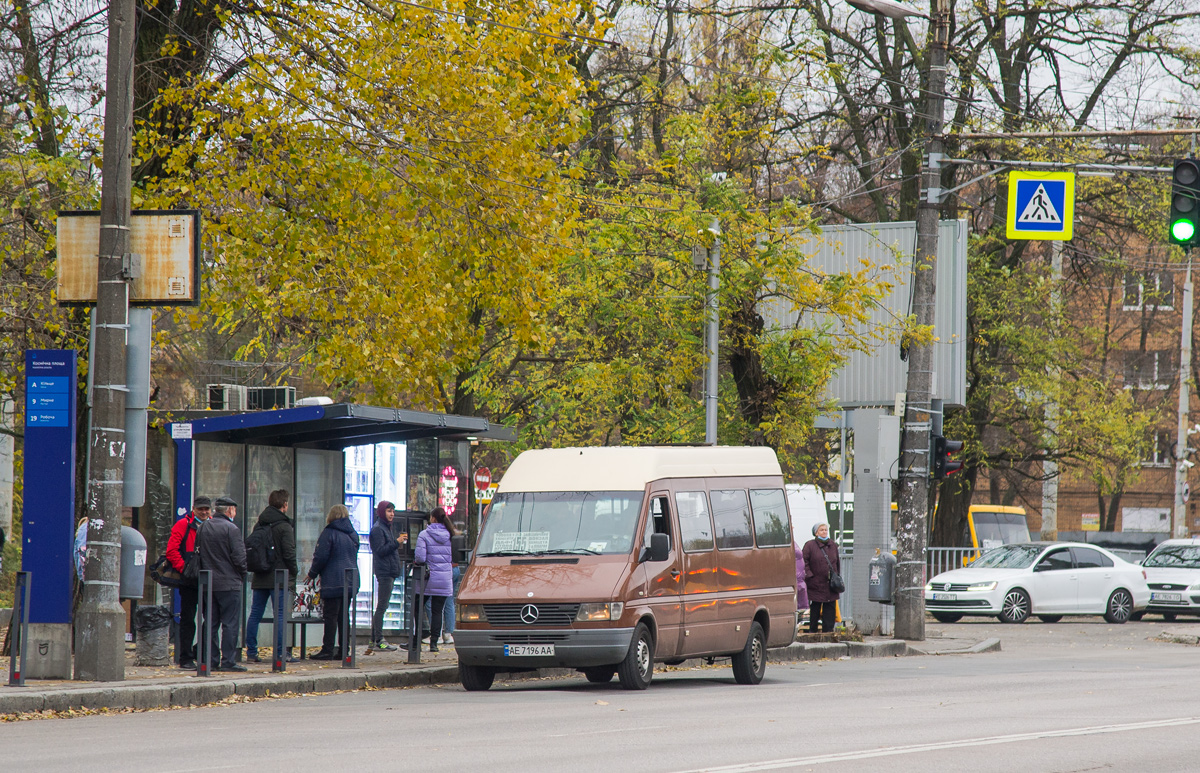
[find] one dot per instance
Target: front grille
(1166, 586)
(962, 603)
(950, 586)
(556, 615)
(1161, 603)
(528, 638)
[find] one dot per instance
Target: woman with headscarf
(820, 556)
(336, 551)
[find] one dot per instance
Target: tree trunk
(954, 500)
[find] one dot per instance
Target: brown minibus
(607, 560)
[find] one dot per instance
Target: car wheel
(1136, 616)
(600, 674)
(1015, 607)
(637, 669)
(1120, 607)
(947, 617)
(750, 664)
(1169, 617)
(476, 678)
(1050, 618)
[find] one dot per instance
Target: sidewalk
(167, 687)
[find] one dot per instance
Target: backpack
(260, 550)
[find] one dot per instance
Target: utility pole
(1182, 463)
(913, 533)
(100, 621)
(714, 283)
(1050, 466)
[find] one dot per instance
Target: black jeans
(227, 612)
(381, 604)
(331, 607)
(823, 610)
(185, 645)
(437, 606)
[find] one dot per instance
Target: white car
(1047, 579)
(1173, 574)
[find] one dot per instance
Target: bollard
(204, 630)
(418, 607)
(349, 635)
(18, 648)
(283, 613)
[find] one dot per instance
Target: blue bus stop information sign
(1041, 205)
(48, 528)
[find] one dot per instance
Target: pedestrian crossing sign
(1041, 205)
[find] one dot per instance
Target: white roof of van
(625, 468)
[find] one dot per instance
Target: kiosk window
(695, 528)
(731, 519)
(771, 526)
(659, 520)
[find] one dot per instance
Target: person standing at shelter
(180, 547)
(336, 551)
(223, 552)
(820, 556)
(274, 519)
(385, 548)
(433, 549)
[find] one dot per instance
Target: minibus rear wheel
(637, 669)
(750, 664)
(476, 678)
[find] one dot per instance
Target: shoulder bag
(836, 583)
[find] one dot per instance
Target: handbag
(163, 573)
(836, 583)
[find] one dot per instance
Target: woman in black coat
(821, 558)
(336, 551)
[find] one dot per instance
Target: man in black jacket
(283, 537)
(223, 552)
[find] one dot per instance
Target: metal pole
(204, 630)
(914, 467)
(19, 647)
(282, 614)
(349, 636)
(100, 621)
(1182, 463)
(714, 283)
(418, 605)
(1050, 465)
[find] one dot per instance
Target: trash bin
(153, 624)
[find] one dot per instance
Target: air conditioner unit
(271, 398)
(226, 397)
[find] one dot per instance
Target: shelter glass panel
(267, 468)
(220, 471)
(318, 487)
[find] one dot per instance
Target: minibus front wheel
(637, 669)
(476, 678)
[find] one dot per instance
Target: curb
(987, 645)
(216, 689)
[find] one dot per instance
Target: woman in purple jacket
(433, 548)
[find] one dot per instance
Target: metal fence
(940, 560)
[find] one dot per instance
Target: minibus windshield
(571, 522)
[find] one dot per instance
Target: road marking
(891, 751)
(616, 730)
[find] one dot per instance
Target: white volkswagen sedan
(1173, 574)
(1046, 579)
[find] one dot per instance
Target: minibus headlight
(592, 612)
(982, 586)
(468, 613)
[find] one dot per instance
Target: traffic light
(941, 452)
(1185, 202)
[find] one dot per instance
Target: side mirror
(660, 547)
(1041, 567)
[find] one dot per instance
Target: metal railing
(940, 560)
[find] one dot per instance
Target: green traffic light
(1183, 230)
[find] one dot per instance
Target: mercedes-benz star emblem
(529, 614)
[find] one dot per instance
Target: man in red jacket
(180, 545)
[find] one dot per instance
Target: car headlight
(929, 587)
(1194, 586)
(592, 612)
(982, 586)
(468, 613)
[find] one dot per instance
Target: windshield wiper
(566, 551)
(506, 553)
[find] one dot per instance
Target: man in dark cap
(223, 552)
(180, 547)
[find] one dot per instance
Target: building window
(1149, 290)
(1150, 370)
(1159, 452)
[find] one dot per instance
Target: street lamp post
(912, 535)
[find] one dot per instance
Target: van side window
(731, 519)
(771, 525)
(659, 521)
(695, 528)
